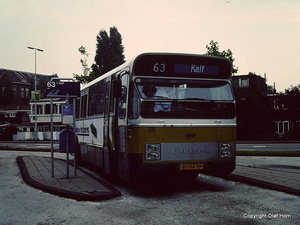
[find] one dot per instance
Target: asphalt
(37, 172)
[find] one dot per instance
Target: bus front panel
(182, 148)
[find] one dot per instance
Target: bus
(160, 113)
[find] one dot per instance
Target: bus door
(110, 131)
(106, 127)
(121, 125)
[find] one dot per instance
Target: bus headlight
(152, 152)
(226, 150)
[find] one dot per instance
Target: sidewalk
(36, 171)
(281, 176)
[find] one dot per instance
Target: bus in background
(160, 113)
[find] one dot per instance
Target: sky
(263, 35)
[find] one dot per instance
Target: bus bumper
(217, 168)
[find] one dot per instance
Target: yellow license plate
(191, 167)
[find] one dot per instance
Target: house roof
(24, 77)
(19, 78)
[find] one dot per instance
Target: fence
(24, 136)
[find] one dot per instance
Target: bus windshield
(210, 90)
(185, 98)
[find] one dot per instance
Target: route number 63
(51, 84)
(159, 67)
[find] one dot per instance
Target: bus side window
(107, 100)
(134, 103)
(92, 100)
(122, 100)
(100, 97)
(83, 106)
(77, 107)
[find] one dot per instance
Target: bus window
(185, 89)
(96, 99)
(134, 102)
(77, 107)
(112, 99)
(100, 97)
(92, 100)
(83, 106)
(107, 102)
(122, 100)
(182, 98)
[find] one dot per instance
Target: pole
(35, 105)
(67, 143)
(67, 150)
(51, 128)
(35, 89)
(75, 139)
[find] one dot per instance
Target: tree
(87, 75)
(109, 53)
(214, 50)
(293, 90)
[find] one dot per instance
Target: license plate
(191, 167)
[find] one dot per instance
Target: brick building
(16, 92)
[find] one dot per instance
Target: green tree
(109, 53)
(87, 73)
(214, 50)
(293, 90)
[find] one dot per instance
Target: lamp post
(35, 89)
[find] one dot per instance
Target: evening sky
(262, 34)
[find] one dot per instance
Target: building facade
(263, 114)
(16, 93)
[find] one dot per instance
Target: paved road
(208, 200)
(254, 146)
(278, 173)
(30, 145)
(260, 146)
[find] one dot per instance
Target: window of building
(22, 94)
(27, 93)
(244, 82)
(282, 127)
(14, 91)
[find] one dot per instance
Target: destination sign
(182, 65)
(196, 69)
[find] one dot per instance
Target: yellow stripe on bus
(141, 135)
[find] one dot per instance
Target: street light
(35, 107)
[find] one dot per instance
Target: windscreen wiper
(194, 99)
